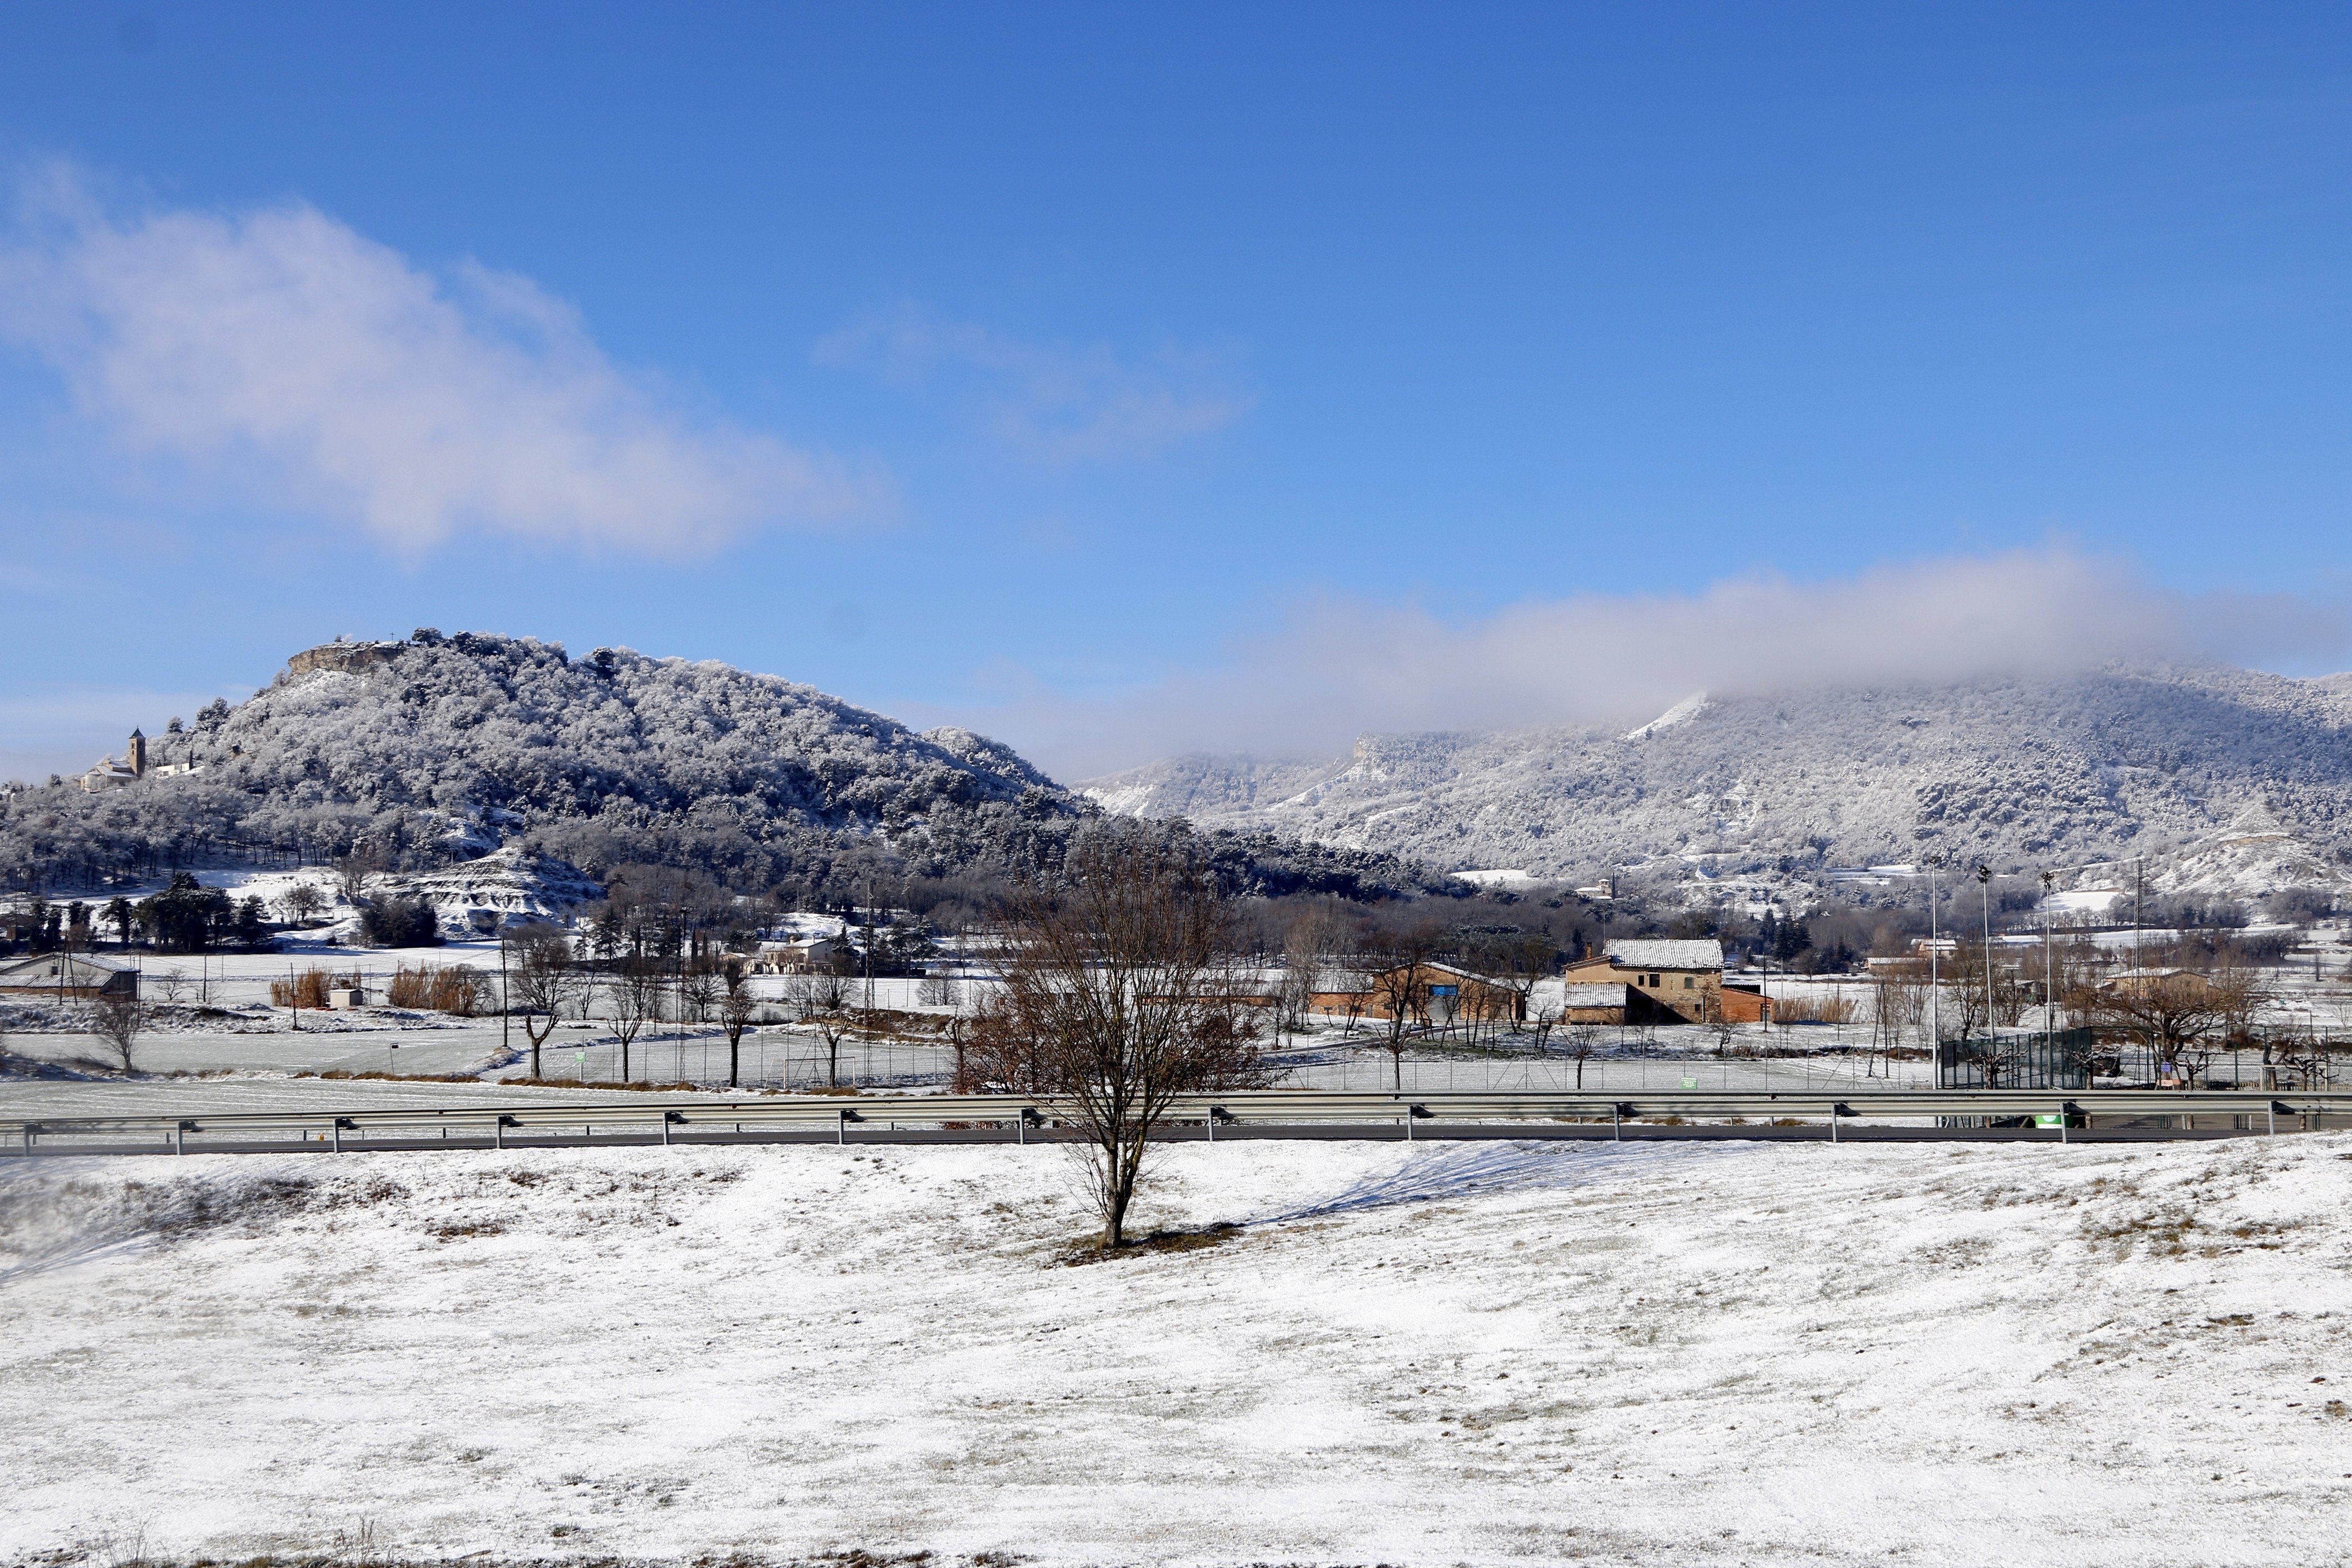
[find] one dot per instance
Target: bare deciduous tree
(632, 995)
(698, 989)
(736, 1010)
(1400, 984)
(1311, 949)
(353, 869)
(119, 1021)
(2179, 1017)
(1118, 977)
(300, 901)
(1581, 1039)
(822, 1000)
(542, 980)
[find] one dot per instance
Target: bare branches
(736, 1011)
(542, 980)
(353, 869)
(119, 1021)
(632, 998)
(1119, 994)
(1400, 984)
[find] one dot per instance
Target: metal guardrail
(839, 1114)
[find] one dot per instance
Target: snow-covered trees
(445, 747)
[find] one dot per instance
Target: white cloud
(1056, 404)
(1342, 667)
(280, 349)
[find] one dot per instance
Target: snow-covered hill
(1449, 1352)
(2228, 780)
(441, 750)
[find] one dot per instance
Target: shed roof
(1665, 954)
(38, 966)
(1607, 995)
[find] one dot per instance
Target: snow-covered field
(1441, 1354)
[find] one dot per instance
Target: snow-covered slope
(1481, 1353)
(442, 748)
(2229, 779)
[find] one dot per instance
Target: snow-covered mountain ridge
(2226, 780)
(444, 749)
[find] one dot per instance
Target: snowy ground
(1445, 1355)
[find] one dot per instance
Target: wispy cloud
(1058, 404)
(1341, 666)
(281, 351)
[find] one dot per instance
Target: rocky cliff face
(2226, 780)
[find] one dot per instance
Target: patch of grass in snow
(1158, 1241)
(49, 1218)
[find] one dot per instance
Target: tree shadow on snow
(1433, 1171)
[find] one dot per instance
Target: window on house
(1688, 981)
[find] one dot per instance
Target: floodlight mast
(2049, 979)
(1984, 901)
(1935, 1028)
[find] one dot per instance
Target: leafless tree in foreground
(634, 997)
(119, 1021)
(1119, 985)
(822, 1000)
(736, 1010)
(541, 981)
(2179, 1017)
(698, 989)
(1400, 982)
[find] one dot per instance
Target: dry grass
(310, 988)
(450, 988)
(1158, 1241)
(1815, 1010)
(641, 1086)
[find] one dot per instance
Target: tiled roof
(1665, 954)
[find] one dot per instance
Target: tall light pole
(2049, 980)
(1984, 901)
(1935, 943)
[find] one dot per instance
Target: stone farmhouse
(820, 955)
(1660, 980)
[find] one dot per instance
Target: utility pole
(2139, 888)
(2049, 980)
(1935, 1028)
(1984, 901)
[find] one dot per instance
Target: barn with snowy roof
(1670, 975)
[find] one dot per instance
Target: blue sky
(1119, 379)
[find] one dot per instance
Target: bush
(310, 988)
(400, 922)
(1814, 1010)
(439, 988)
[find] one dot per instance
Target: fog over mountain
(2226, 779)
